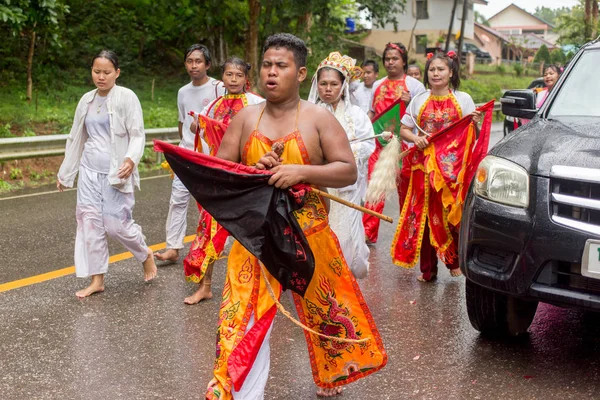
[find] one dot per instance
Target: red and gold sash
(229, 105)
(387, 93)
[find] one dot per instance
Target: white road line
(69, 190)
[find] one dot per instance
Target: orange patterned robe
(333, 304)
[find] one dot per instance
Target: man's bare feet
(96, 286)
(420, 278)
(455, 272)
(169, 255)
(329, 392)
(149, 267)
(203, 293)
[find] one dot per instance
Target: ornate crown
(345, 64)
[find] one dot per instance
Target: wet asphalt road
(139, 341)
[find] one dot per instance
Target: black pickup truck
(530, 230)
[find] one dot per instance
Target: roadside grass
(51, 109)
(53, 106)
(483, 88)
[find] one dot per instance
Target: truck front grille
(565, 275)
(575, 197)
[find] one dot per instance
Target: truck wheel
(496, 314)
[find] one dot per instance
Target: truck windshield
(579, 95)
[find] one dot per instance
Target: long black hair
(110, 56)
(451, 60)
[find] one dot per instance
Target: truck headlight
(502, 181)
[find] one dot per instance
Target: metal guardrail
(54, 145)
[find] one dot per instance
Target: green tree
(37, 20)
(481, 19)
(551, 15)
(577, 26)
(151, 35)
(543, 55)
(11, 13)
(383, 12)
(557, 56)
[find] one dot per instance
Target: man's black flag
(260, 216)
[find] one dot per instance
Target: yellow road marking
(32, 280)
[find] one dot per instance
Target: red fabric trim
(481, 146)
(402, 109)
(298, 303)
(213, 132)
(394, 46)
(464, 122)
(242, 358)
(206, 160)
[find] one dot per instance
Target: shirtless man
(319, 141)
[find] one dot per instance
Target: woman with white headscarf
(330, 89)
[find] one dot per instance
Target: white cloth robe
(346, 222)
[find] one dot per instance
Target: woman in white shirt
(330, 89)
(105, 146)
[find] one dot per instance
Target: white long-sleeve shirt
(127, 138)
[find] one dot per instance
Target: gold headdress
(345, 64)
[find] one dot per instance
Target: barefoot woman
(211, 237)
(423, 229)
(105, 146)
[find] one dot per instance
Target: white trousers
(103, 210)
(254, 385)
(177, 217)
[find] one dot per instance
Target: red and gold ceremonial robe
(433, 204)
(333, 303)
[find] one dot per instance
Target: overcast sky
(529, 5)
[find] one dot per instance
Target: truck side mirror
(519, 103)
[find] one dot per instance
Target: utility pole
(462, 28)
(450, 27)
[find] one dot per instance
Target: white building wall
(512, 16)
(439, 18)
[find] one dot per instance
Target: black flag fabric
(258, 215)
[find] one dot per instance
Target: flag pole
(367, 138)
(352, 205)
(278, 149)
